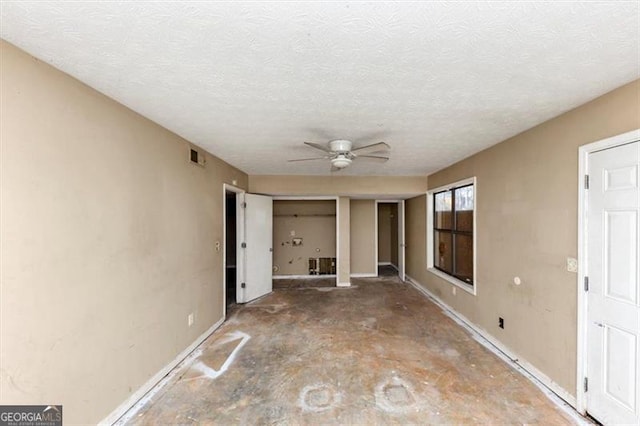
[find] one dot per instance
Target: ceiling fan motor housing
(340, 145)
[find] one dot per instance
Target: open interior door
(401, 241)
(613, 298)
(257, 247)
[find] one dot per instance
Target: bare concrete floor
(315, 282)
(376, 353)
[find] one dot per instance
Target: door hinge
(586, 384)
(243, 285)
(586, 283)
(244, 205)
(243, 245)
(586, 181)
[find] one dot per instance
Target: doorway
(246, 243)
(230, 246)
(609, 298)
(390, 247)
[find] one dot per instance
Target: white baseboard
(295, 277)
(157, 378)
(554, 391)
(343, 284)
(363, 275)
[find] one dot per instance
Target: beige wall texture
(384, 233)
(344, 241)
(363, 226)
(338, 185)
(312, 220)
(527, 189)
(388, 233)
(108, 240)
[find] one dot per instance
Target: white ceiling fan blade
(318, 146)
(378, 158)
(308, 159)
(370, 149)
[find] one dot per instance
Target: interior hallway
(376, 353)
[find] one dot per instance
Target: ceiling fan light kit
(341, 161)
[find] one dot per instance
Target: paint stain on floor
(376, 353)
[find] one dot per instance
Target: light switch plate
(572, 264)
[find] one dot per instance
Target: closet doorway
(390, 238)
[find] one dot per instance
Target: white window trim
(430, 266)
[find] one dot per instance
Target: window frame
(430, 226)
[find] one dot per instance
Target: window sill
(453, 280)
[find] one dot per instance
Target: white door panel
(620, 257)
(613, 308)
(258, 253)
(620, 350)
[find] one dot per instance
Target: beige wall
(527, 191)
(363, 226)
(384, 233)
(107, 243)
(344, 242)
(338, 185)
(312, 220)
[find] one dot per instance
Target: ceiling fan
(340, 154)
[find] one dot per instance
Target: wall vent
(196, 156)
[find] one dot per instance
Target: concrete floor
(376, 353)
(387, 271)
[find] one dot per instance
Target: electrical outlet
(190, 319)
(572, 264)
(501, 322)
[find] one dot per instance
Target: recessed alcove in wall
(304, 237)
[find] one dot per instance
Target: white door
(401, 241)
(613, 298)
(258, 252)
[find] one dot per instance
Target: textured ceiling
(251, 81)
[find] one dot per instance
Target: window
(450, 224)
